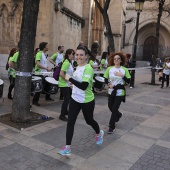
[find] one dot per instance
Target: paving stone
(140, 108)
(137, 140)
(153, 100)
(102, 161)
(13, 157)
(159, 163)
(123, 151)
(84, 137)
(166, 136)
(148, 131)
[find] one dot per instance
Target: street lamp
(138, 7)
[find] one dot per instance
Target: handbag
(56, 73)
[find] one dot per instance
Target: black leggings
(167, 80)
(74, 109)
(66, 92)
(11, 86)
(114, 104)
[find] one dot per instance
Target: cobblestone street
(141, 140)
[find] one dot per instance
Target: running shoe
(65, 151)
(99, 138)
(110, 131)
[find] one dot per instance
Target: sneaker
(131, 87)
(110, 131)
(99, 139)
(65, 151)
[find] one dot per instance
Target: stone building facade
(66, 22)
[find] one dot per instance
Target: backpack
(56, 73)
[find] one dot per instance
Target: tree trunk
(21, 102)
(109, 31)
(161, 4)
(160, 9)
(153, 69)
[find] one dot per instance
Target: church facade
(65, 22)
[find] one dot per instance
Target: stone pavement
(141, 140)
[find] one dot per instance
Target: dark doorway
(149, 48)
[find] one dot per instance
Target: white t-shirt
(83, 74)
(43, 62)
(115, 80)
(166, 69)
(59, 58)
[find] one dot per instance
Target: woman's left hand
(119, 74)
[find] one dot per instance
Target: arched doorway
(97, 25)
(149, 48)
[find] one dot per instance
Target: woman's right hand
(49, 69)
(110, 86)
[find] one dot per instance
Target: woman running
(64, 85)
(115, 76)
(82, 98)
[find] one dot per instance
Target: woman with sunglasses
(82, 98)
(115, 76)
(64, 85)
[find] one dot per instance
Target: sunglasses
(117, 58)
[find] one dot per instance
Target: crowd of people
(77, 84)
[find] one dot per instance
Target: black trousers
(66, 92)
(11, 86)
(37, 97)
(167, 80)
(37, 94)
(132, 79)
(114, 104)
(74, 109)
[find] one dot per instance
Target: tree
(21, 102)
(160, 10)
(104, 13)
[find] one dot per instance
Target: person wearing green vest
(56, 59)
(11, 71)
(58, 56)
(65, 85)
(115, 77)
(13, 64)
(82, 98)
(41, 66)
(104, 62)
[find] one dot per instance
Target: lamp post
(138, 7)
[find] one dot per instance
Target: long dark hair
(104, 55)
(12, 52)
(36, 51)
(68, 52)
